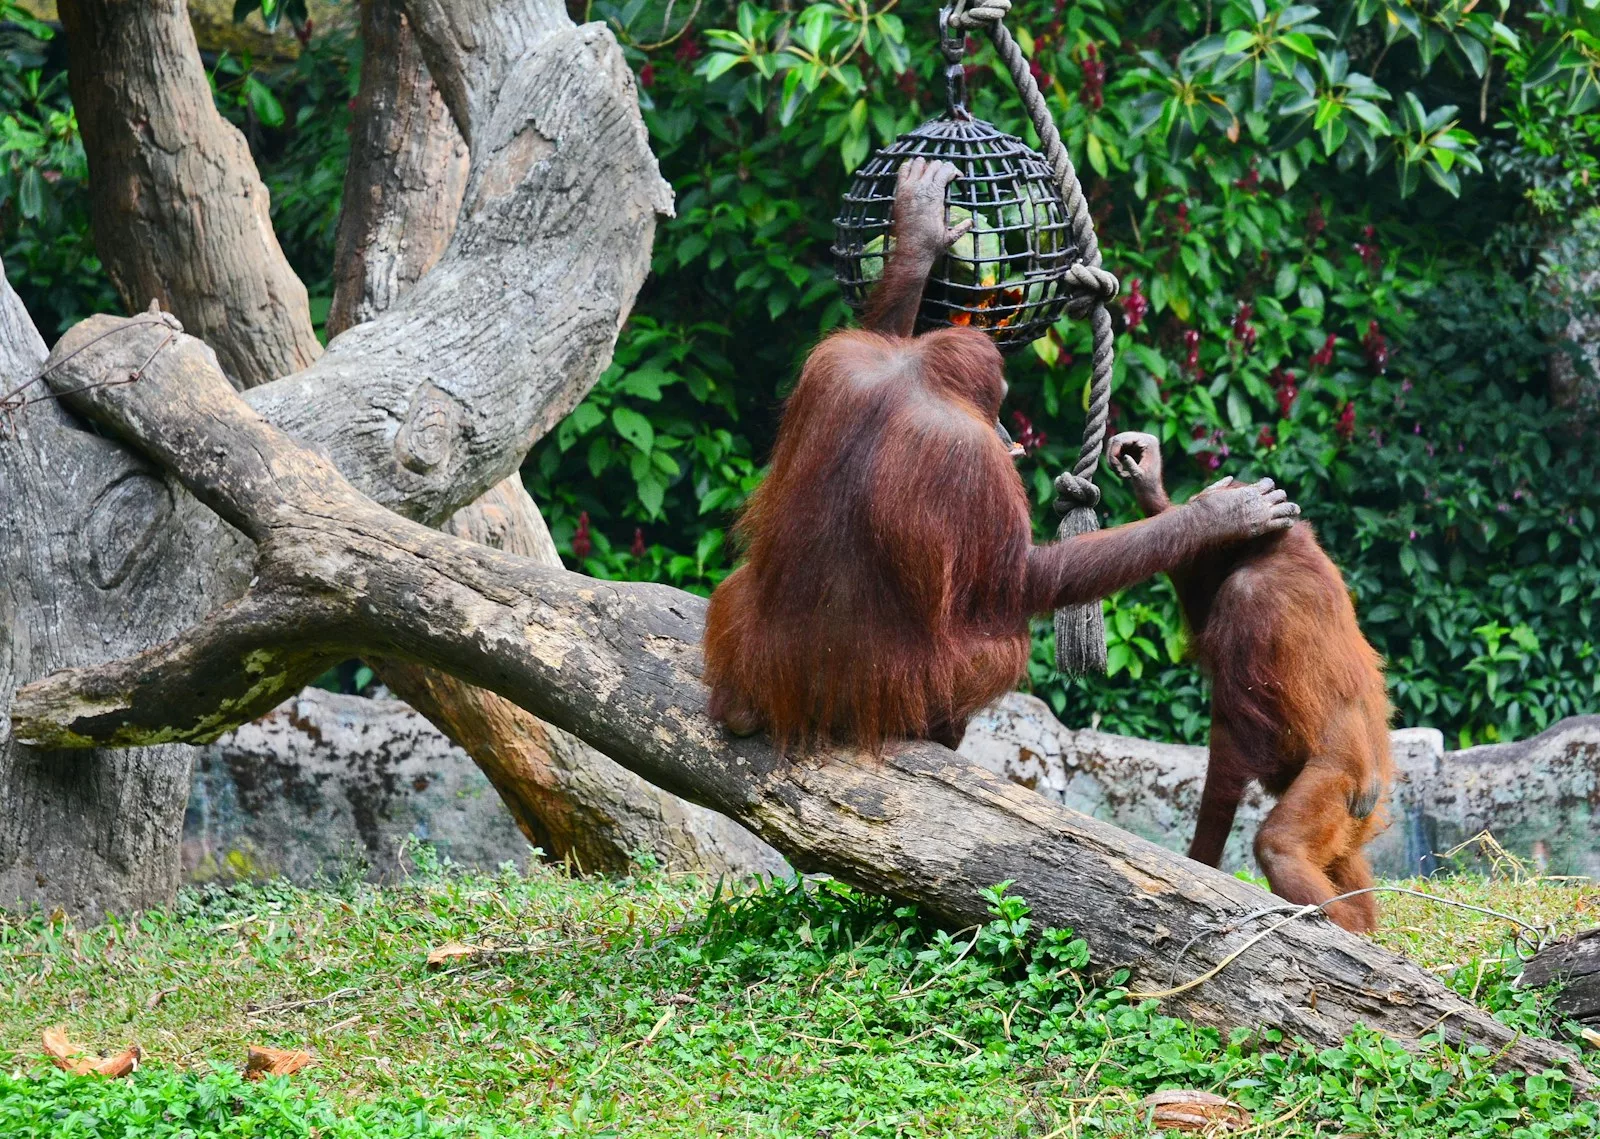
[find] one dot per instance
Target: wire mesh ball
(1008, 275)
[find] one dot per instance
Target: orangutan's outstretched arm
(1091, 566)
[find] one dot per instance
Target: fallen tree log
(1572, 964)
(618, 665)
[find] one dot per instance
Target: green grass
(651, 1007)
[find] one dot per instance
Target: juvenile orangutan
(1297, 701)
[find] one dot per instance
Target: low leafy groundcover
(656, 1006)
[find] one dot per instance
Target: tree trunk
(84, 524)
(407, 174)
(425, 408)
(571, 801)
(401, 194)
(180, 214)
(618, 664)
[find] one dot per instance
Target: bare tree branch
(449, 388)
(424, 409)
(619, 665)
(402, 191)
(407, 173)
(180, 213)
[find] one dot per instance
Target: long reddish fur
(1273, 625)
(888, 550)
(1299, 704)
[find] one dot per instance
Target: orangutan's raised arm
(918, 240)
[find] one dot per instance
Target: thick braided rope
(1096, 286)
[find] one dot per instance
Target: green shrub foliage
(1346, 234)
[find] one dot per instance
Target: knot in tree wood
(122, 522)
(427, 436)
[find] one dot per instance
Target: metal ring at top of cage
(954, 45)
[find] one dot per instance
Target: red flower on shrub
(637, 549)
(1211, 458)
(1376, 347)
(1368, 250)
(1191, 362)
(1346, 426)
(1135, 305)
(1243, 331)
(1266, 438)
(582, 544)
(1323, 356)
(1093, 92)
(1316, 221)
(1283, 381)
(647, 75)
(688, 50)
(1286, 397)
(1027, 438)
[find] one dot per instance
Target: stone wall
(329, 785)
(1538, 797)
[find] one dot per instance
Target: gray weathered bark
(180, 213)
(424, 408)
(619, 665)
(407, 174)
(89, 563)
(1573, 966)
(401, 194)
(571, 801)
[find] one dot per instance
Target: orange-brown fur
(887, 547)
(1298, 703)
(891, 570)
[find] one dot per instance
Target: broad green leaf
(263, 103)
(651, 493)
(1238, 410)
(1096, 154)
(585, 418)
(30, 193)
(718, 63)
(634, 427)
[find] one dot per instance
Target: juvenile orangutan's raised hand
(1136, 456)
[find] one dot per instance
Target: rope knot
(1094, 286)
(1073, 491)
(979, 13)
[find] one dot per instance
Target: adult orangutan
(891, 570)
(1297, 702)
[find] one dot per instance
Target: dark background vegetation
(1348, 233)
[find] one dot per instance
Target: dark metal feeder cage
(1008, 276)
